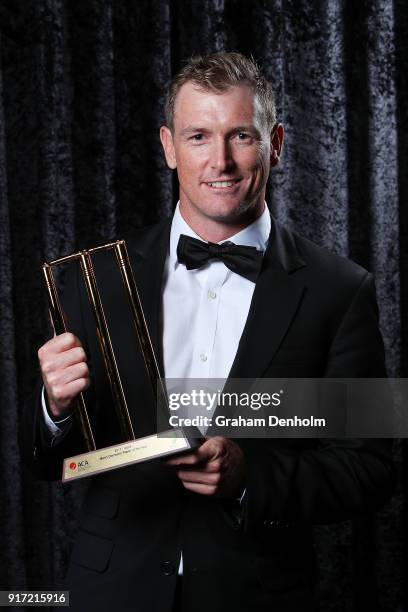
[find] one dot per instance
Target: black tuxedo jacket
(313, 314)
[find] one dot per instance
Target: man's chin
(241, 213)
(223, 212)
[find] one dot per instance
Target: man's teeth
(221, 184)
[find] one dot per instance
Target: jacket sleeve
(332, 479)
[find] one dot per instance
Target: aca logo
(72, 465)
(82, 464)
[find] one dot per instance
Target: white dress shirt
(205, 310)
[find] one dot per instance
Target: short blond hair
(218, 72)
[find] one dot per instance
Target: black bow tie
(243, 260)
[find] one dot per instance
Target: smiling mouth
(222, 184)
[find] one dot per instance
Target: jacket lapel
(276, 298)
(148, 251)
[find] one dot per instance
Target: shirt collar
(256, 234)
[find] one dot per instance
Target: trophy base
(126, 453)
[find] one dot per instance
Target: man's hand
(64, 372)
(217, 467)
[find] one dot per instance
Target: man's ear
(277, 136)
(166, 138)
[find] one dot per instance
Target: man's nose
(221, 156)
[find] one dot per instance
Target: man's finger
(57, 344)
(71, 373)
(206, 478)
(202, 489)
(211, 449)
(61, 361)
(208, 467)
(65, 394)
(189, 459)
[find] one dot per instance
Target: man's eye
(198, 137)
(243, 136)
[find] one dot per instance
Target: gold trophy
(132, 450)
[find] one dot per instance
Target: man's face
(222, 153)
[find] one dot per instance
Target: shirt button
(167, 568)
(203, 357)
(211, 294)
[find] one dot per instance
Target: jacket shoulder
(328, 266)
(144, 238)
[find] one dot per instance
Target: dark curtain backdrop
(82, 87)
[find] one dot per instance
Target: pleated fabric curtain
(82, 89)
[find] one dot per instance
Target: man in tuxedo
(228, 525)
